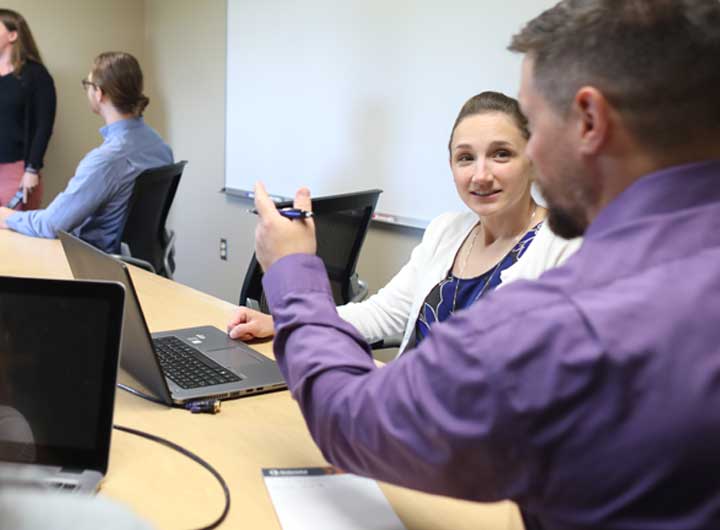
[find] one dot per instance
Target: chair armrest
(392, 341)
(358, 289)
(169, 248)
(251, 303)
(135, 261)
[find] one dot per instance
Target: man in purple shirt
(590, 397)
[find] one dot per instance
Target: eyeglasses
(85, 83)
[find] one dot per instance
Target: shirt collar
(119, 126)
(662, 191)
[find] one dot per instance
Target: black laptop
(179, 365)
(59, 347)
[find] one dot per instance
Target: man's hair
(119, 76)
(24, 48)
(488, 102)
(656, 61)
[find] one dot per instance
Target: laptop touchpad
(233, 357)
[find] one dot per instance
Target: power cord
(192, 456)
(197, 406)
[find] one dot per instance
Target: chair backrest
(341, 223)
(152, 196)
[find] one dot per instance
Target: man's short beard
(566, 224)
(567, 209)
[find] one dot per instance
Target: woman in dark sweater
(27, 111)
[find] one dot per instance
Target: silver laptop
(179, 365)
(59, 348)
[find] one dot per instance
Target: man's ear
(592, 111)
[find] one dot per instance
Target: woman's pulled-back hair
(487, 102)
(118, 75)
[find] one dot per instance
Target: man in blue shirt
(95, 202)
(590, 397)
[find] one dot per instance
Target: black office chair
(341, 223)
(145, 240)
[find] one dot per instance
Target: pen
(290, 213)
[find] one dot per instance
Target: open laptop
(59, 348)
(179, 365)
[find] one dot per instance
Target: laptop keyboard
(188, 367)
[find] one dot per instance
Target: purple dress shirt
(591, 396)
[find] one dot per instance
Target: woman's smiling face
(488, 162)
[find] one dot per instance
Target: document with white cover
(323, 498)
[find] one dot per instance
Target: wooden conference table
(250, 433)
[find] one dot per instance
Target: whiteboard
(348, 95)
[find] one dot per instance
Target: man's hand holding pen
(276, 235)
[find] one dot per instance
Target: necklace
(476, 228)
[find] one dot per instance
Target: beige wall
(181, 45)
(186, 55)
(70, 33)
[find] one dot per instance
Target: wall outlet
(223, 249)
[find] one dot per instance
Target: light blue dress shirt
(95, 202)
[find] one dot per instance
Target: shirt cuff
(295, 273)
(13, 221)
(30, 169)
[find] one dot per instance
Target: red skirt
(10, 176)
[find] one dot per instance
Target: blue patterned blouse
(453, 293)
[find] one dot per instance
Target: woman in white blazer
(463, 256)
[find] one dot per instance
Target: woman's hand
(28, 183)
(250, 324)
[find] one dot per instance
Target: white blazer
(395, 307)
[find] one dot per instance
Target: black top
(27, 114)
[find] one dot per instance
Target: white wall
(360, 94)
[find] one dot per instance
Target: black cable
(140, 394)
(192, 456)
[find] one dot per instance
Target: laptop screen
(59, 343)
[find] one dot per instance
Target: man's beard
(568, 220)
(566, 224)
